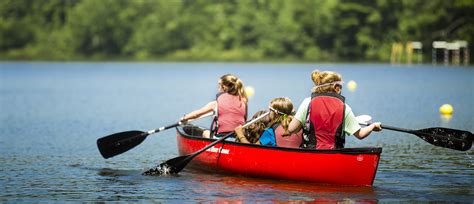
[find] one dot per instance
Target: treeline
(249, 30)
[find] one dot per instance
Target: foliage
(249, 30)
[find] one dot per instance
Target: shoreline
(107, 61)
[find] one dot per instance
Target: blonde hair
(231, 84)
(325, 77)
(284, 107)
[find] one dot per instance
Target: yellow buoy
(351, 85)
(249, 91)
(446, 109)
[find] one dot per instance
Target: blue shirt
(268, 137)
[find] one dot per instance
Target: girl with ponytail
(230, 107)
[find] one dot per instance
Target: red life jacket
(231, 112)
(294, 140)
(326, 119)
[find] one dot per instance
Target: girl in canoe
(325, 116)
(230, 107)
(270, 130)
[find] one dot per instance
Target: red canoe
(348, 166)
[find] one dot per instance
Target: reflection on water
(470, 158)
(52, 114)
(445, 119)
(113, 172)
(262, 190)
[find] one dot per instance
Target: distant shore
(271, 61)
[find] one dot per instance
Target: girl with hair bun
(230, 107)
(325, 117)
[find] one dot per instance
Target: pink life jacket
(294, 140)
(231, 112)
(326, 118)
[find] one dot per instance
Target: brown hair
(325, 77)
(253, 131)
(231, 84)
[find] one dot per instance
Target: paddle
(443, 137)
(121, 142)
(175, 165)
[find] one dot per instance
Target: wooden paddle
(443, 137)
(121, 142)
(175, 165)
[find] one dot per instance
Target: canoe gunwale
(357, 150)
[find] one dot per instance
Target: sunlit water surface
(53, 113)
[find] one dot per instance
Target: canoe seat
(193, 130)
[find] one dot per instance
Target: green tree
(317, 24)
(330, 30)
(158, 32)
(15, 25)
(101, 27)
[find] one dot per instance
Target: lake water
(52, 114)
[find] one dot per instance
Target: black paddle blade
(448, 138)
(172, 166)
(119, 143)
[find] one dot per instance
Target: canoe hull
(351, 166)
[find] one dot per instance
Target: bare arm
(365, 131)
(295, 126)
(240, 137)
(199, 112)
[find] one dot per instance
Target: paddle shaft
(415, 132)
(178, 124)
(366, 123)
(398, 129)
(164, 128)
(388, 127)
